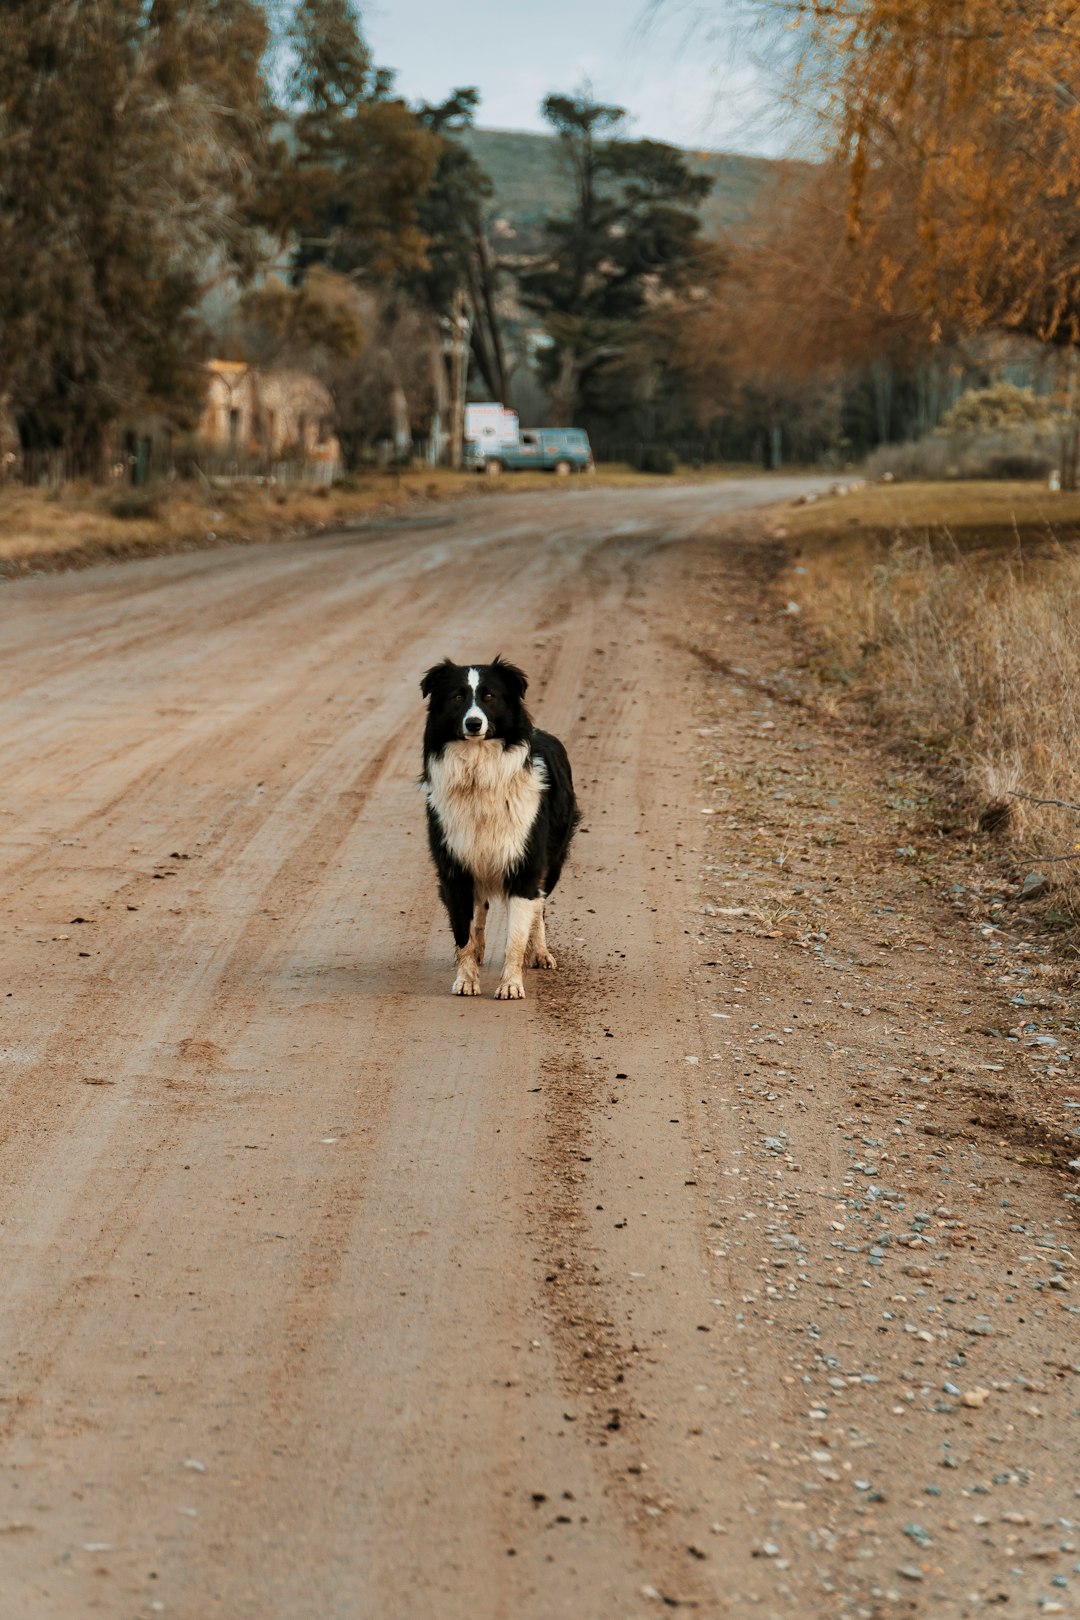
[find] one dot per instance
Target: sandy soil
(733, 1270)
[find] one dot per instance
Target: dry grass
(985, 513)
(78, 525)
(960, 625)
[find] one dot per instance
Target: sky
(678, 79)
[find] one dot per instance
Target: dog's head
(476, 702)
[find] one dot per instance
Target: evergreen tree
(460, 268)
(628, 240)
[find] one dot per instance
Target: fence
(145, 460)
(226, 466)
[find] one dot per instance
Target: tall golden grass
(973, 659)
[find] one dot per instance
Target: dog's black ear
(510, 672)
(435, 676)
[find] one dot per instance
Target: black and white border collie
(501, 814)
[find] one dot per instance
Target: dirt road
(721, 1273)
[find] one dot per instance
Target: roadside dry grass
(953, 614)
(78, 525)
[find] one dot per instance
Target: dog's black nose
(473, 724)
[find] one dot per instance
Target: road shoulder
(850, 1387)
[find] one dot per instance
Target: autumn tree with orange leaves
(796, 318)
(971, 108)
(946, 208)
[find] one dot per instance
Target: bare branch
(1031, 798)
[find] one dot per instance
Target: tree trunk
(564, 391)
(438, 416)
(480, 348)
(881, 379)
(462, 324)
(399, 414)
(487, 293)
(1070, 452)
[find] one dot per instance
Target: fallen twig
(1031, 798)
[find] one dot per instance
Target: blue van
(557, 450)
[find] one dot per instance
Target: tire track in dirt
(602, 1054)
(302, 1241)
(198, 1004)
(202, 1001)
(258, 870)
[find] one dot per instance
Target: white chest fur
(486, 798)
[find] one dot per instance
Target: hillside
(531, 182)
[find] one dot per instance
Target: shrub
(657, 458)
(1019, 464)
(989, 410)
(134, 503)
(1020, 453)
(924, 460)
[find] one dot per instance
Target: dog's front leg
(519, 928)
(458, 895)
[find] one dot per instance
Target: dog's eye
(488, 697)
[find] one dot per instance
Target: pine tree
(628, 239)
(460, 266)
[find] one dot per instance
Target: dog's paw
(510, 990)
(466, 984)
(542, 959)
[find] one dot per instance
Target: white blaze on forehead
(473, 678)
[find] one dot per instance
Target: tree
(346, 193)
(311, 326)
(387, 392)
(129, 134)
(627, 243)
(372, 349)
(741, 367)
(460, 267)
(976, 104)
(343, 195)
